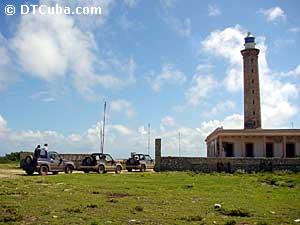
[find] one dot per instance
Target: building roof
(252, 132)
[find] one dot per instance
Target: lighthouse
(252, 112)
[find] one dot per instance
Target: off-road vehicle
(48, 161)
(100, 163)
(140, 162)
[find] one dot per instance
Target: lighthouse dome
(249, 41)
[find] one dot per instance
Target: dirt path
(10, 173)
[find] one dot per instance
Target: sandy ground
(15, 173)
(11, 173)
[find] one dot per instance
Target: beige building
(253, 141)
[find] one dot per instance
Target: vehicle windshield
(108, 158)
(54, 156)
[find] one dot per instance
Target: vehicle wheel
(143, 168)
(43, 170)
(101, 169)
(118, 169)
(55, 173)
(29, 172)
(129, 170)
(28, 161)
(68, 169)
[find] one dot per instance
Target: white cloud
(181, 26)
(122, 106)
(293, 73)
(227, 43)
(90, 21)
(7, 70)
(274, 14)
(131, 3)
(294, 30)
(167, 122)
(221, 107)
(55, 48)
(213, 10)
(202, 85)
(168, 75)
(276, 94)
(168, 3)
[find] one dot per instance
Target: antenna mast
(148, 138)
(103, 129)
(179, 143)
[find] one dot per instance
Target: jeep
(140, 162)
(48, 161)
(100, 163)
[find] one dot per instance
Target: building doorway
(269, 150)
(290, 150)
(228, 148)
(249, 150)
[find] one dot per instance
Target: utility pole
(103, 129)
(148, 138)
(179, 144)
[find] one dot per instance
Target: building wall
(239, 145)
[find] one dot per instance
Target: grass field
(149, 198)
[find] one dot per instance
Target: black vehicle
(140, 162)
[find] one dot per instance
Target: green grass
(150, 198)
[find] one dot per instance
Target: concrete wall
(227, 164)
(219, 164)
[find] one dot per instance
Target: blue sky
(174, 64)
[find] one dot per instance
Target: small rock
(54, 216)
(218, 206)
(272, 212)
(67, 189)
(297, 220)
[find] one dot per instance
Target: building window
(269, 150)
(290, 150)
(254, 113)
(252, 91)
(228, 149)
(252, 81)
(249, 150)
(252, 60)
(253, 102)
(252, 70)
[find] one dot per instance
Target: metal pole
(148, 138)
(179, 144)
(100, 137)
(103, 129)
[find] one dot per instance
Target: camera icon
(10, 10)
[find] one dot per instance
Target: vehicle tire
(29, 172)
(101, 169)
(43, 170)
(118, 169)
(68, 169)
(143, 168)
(28, 161)
(55, 173)
(129, 170)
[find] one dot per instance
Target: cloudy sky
(174, 64)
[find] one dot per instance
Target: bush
(11, 157)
